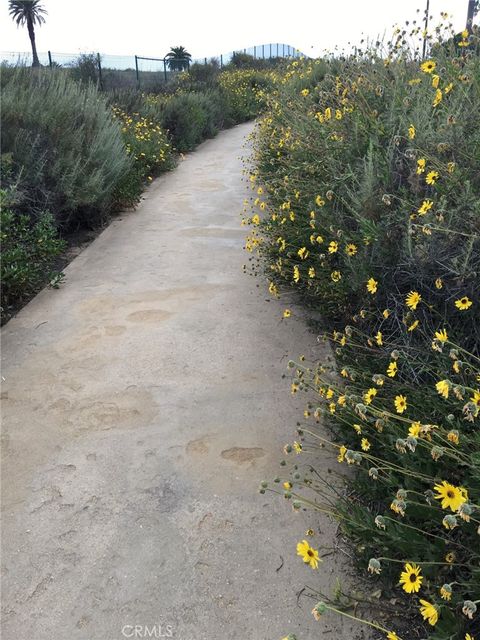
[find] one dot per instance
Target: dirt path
(142, 404)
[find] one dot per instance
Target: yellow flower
(333, 247)
(400, 403)
(369, 395)
(392, 369)
(335, 276)
(303, 253)
(411, 132)
(341, 453)
(311, 272)
(453, 436)
(429, 612)
(287, 485)
(287, 313)
(441, 335)
(425, 207)
(415, 429)
(351, 249)
(446, 592)
(372, 286)
(435, 81)
(305, 92)
(421, 165)
(463, 304)
(438, 97)
(443, 388)
(256, 219)
(469, 637)
(319, 201)
(297, 447)
(432, 177)
(296, 274)
(391, 635)
(365, 444)
(451, 167)
(379, 338)
(412, 299)
(410, 578)
(385, 313)
(428, 66)
(308, 554)
(476, 398)
(452, 497)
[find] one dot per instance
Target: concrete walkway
(142, 404)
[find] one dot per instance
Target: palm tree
(29, 12)
(178, 59)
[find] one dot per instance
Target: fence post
(221, 60)
(255, 51)
(100, 80)
(205, 61)
(50, 63)
(263, 51)
(136, 72)
(270, 50)
(283, 54)
(165, 69)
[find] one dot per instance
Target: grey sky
(210, 27)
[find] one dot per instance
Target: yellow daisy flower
(429, 612)
(463, 304)
(400, 403)
(372, 286)
(428, 66)
(411, 578)
(392, 369)
(308, 554)
(452, 497)
(412, 299)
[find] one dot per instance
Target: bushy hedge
(68, 153)
(367, 204)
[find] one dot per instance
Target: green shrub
(28, 251)
(85, 69)
(367, 203)
(190, 118)
(68, 153)
(148, 146)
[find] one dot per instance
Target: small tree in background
(29, 12)
(178, 59)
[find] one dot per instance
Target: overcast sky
(211, 27)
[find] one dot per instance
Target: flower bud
(374, 566)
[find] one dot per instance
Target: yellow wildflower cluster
(370, 211)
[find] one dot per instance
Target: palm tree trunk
(31, 33)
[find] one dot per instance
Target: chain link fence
(134, 71)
